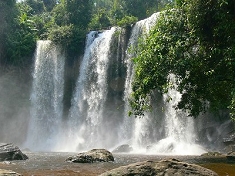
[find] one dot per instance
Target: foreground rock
(8, 173)
(95, 155)
(125, 148)
(170, 167)
(9, 152)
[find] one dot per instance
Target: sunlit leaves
(195, 42)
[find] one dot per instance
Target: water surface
(53, 164)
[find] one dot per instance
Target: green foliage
(71, 19)
(61, 34)
(127, 21)
(49, 4)
(7, 13)
(79, 12)
(63, 21)
(69, 36)
(21, 41)
(37, 6)
(99, 20)
(60, 15)
(199, 52)
(143, 9)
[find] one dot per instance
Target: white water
(136, 128)
(98, 115)
(46, 97)
(86, 124)
(179, 135)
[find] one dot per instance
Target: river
(54, 164)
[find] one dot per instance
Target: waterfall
(98, 116)
(88, 125)
(46, 97)
(157, 132)
(137, 130)
(180, 134)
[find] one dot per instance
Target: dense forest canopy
(193, 40)
(65, 22)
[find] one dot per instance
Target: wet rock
(95, 155)
(9, 152)
(211, 154)
(8, 173)
(231, 156)
(123, 149)
(230, 139)
(169, 167)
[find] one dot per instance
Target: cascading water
(98, 114)
(46, 97)
(178, 134)
(134, 128)
(89, 125)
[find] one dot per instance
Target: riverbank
(53, 164)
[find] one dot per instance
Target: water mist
(99, 107)
(46, 97)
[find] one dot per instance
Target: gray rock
(230, 139)
(231, 156)
(9, 152)
(171, 167)
(4, 172)
(212, 154)
(95, 155)
(123, 149)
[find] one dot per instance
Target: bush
(127, 21)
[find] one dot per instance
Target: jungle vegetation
(65, 22)
(192, 40)
(195, 42)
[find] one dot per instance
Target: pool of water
(54, 164)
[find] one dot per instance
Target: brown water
(53, 164)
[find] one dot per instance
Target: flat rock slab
(171, 167)
(9, 152)
(4, 172)
(95, 155)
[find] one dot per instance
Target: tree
(79, 12)
(99, 20)
(199, 52)
(7, 14)
(37, 6)
(71, 19)
(143, 9)
(49, 4)
(21, 39)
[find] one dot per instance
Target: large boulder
(4, 172)
(9, 152)
(171, 167)
(95, 155)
